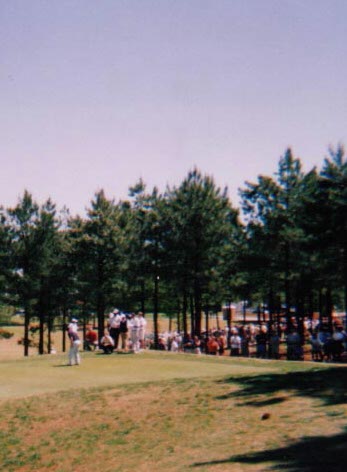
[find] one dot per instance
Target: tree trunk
(320, 305)
(64, 328)
(258, 314)
(41, 330)
(229, 324)
(155, 311)
(198, 308)
(207, 328)
(178, 317)
(192, 315)
(143, 296)
(271, 307)
(184, 312)
(49, 332)
(287, 288)
(100, 311)
(329, 309)
(26, 329)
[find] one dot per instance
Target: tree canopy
(185, 251)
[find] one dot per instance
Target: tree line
(184, 251)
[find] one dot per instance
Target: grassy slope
(169, 412)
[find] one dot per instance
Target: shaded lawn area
(174, 413)
(312, 454)
(329, 385)
(307, 454)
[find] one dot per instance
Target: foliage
(4, 334)
(183, 252)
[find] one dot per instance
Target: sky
(98, 94)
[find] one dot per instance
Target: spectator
(245, 336)
(91, 339)
(261, 342)
(222, 341)
(114, 325)
(324, 336)
(196, 345)
(188, 343)
(316, 347)
(235, 343)
(142, 329)
(123, 331)
(107, 342)
(212, 346)
(337, 343)
(134, 326)
(174, 345)
(294, 347)
(274, 345)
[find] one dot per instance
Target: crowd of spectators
(316, 340)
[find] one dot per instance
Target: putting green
(48, 374)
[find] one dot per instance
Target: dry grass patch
(179, 425)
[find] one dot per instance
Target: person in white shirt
(134, 325)
(235, 343)
(142, 329)
(174, 345)
(114, 326)
(107, 343)
(72, 326)
(74, 355)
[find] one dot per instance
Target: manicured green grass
(36, 375)
(161, 411)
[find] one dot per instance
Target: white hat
(74, 320)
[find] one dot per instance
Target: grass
(160, 411)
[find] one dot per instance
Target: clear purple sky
(98, 93)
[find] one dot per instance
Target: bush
(5, 334)
(6, 313)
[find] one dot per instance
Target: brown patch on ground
(167, 425)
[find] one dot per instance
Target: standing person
(212, 346)
(74, 355)
(123, 329)
(134, 332)
(294, 348)
(245, 336)
(72, 326)
(316, 347)
(337, 343)
(162, 344)
(142, 330)
(174, 345)
(274, 344)
(197, 345)
(235, 342)
(114, 325)
(261, 341)
(222, 341)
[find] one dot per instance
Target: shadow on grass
(271, 401)
(328, 385)
(307, 455)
